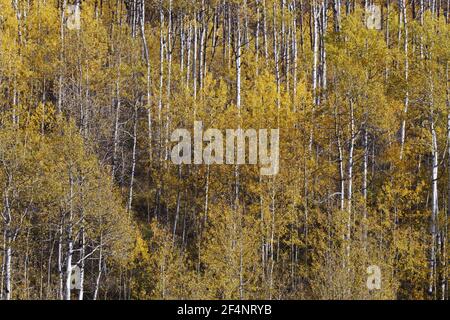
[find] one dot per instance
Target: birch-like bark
(238, 100)
(422, 16)
(60, 260)
(337, 15)
(99, 274)
(238, 62)
(202, 53)
(182, 41)
(445, 231)
(133, 160)
(69, 240)
(276, 55)
(266, 50)
(282, 41)
(194, 60)
(350, 178)
(315, 40)
(133, 18)
(61, 56)
(257, 30)
(2, 275)
(447, 12)
(206, 195)
(434, 207)
(161, 77)
(177, 214)
(8, 250)
(188, 53)
(116, 122)
(301, 26)
(82, 259)
(340, 163)
(148, 81)
(6, 215)
(323, 52)
(294, 51)
(8, 270)
(169, 77)
(364, 185)
(402, 3)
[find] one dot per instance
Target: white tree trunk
(148, 82)
(133, 160)
(60, 261)
(276, 55)
(99, 275)
(116, 124)
(82, 255)
(238, 62)
(61, 56)
(70, 241)
(8, 251)
(337, 15)
(364, 185)
(315, 13)
(434, 209)
(266, 50)
(350, 179)
(406, 101)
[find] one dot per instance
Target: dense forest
(87, 108)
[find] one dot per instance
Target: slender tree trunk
(194, 60)
(340, 162)
(116, 124)
(61, 56)
(257, 30)
(434, 209)
(266, 50)
(206, 193)
(238, 61)
(148, 80)
(161, 77)
(99, 274)
(69, 240)
(337, 15)
(406, 101)
(323, 52)
(202, 53)
(82, 262)
(60, 260)
(364, 185)
(294, 52)
(315, 40)
(276, 54)
(133, 159)
(8, 270)
(2, 278)
(445, 236)
(169, 78)
(350, 180)
(8, 239)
